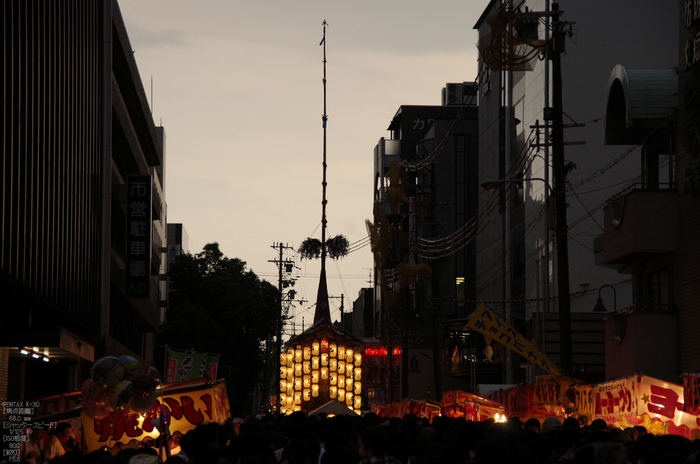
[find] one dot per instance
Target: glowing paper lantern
(334, 392)
(333, 364)
(298, 369)
(358, 388)
(341, 381)
(297, 355)
(315, 348)
(307, 394)
(341, 352)
(341, 395)
(307, 352)
(358, 359)
(314, 377)
(324, 359)
(297, 384)
(358, 373)
(341, 367)
(334, 378)
(314, 390)
(324, 373)
(307, 367)
(348, 355)
(307, 381)
(333, 350)
(315, 362)
(358, 402)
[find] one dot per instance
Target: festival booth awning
(421, 408)
(182, 406)
(519, 401)
(458, 403)
(642, 400)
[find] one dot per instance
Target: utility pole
(282, 283)
(557, 47)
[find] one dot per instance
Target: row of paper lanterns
(302, 370)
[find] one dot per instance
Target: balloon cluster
(119, 383)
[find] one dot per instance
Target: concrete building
(517, 264)
(650, 229)
(425, 190)
(83, 203)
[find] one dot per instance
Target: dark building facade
(83, 211)
(425, 195)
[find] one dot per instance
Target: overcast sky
(237, 84)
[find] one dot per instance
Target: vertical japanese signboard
(138, 236)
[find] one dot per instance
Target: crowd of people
(299, 439)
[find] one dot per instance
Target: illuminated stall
(458, 403)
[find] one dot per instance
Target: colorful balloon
(95, 400)
(143, 404)
(122, 394)
(147, 382)
(132, 368)
(107, 371)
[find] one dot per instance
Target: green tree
(218, 306)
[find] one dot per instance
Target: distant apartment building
(83, 203)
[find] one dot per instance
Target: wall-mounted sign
(138, 236)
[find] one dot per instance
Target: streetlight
(599, 306)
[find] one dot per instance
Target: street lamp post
(599, 306)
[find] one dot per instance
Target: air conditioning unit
(457, 94)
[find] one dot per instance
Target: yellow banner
(551, 391)
(585, 402)
(184, 411)
(488, 323)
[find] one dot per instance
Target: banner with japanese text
(183, 366)
(488, 323)
(615, 399)
(663, 401)
(552, 391)
(691, 393)
(183, 410)
(585, 406)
